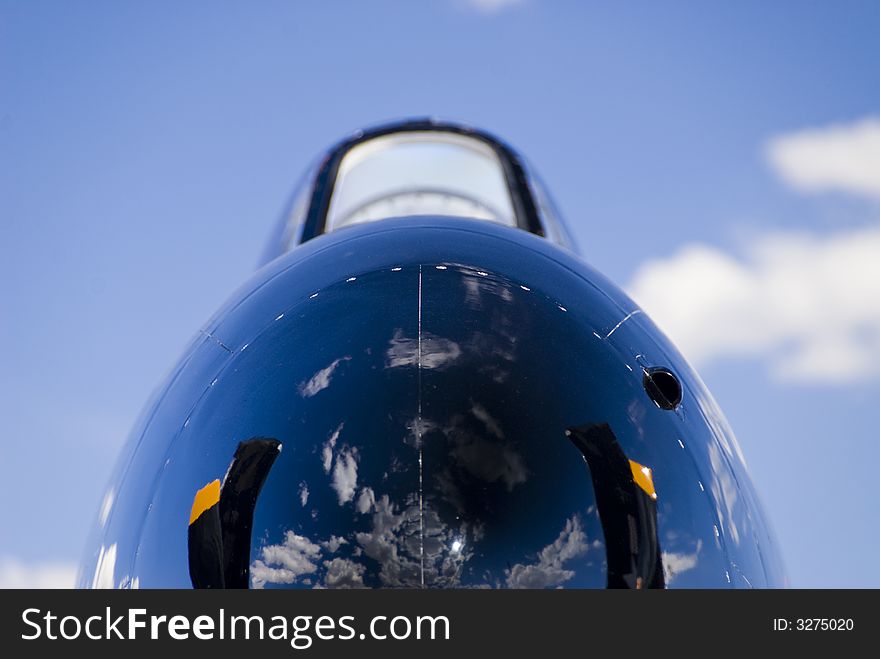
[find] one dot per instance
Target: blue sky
(719, 161)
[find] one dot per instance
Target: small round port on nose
(662, 387)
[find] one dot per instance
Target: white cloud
(844, 157)
(549, 570)
(344, 573)
(431, 352)
(491, 6)
(387, 543)
(334, 543)
(284, 563)
(345, 474)
(17, 574)
(491, 424)
(327, 449)
(366, 501)
(320, 380)
(808, 304)
(674, 564)
(344, 466)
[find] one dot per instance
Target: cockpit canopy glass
(420, 173)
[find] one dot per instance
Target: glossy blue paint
(420, 374)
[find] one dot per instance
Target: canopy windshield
(420, 173)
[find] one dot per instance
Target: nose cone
(438, 404)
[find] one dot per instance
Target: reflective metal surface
(456, 404)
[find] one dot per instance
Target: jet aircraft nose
(435, 435)
(435, 404)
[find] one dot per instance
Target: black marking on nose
(220, 534)
(628, 513)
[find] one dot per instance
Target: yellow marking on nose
(642, 476)
(204, 499)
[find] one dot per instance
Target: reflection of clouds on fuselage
(434, 353)
(476, 455)
(674, 563)
(549, 570)
(491, 424)
(320, 380)
(726, 493)
(393, 542)
(105, 568)
(297, 559)
(636, 412)
(491, 351)
(343, 573)
(366, 500)
(285, 563)
(478, 283)
(327, 449)
(345, 474)
(344, 464)
(413, 547)
(105, 572)
(334, 543)
(410, 545)
(407, 538)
